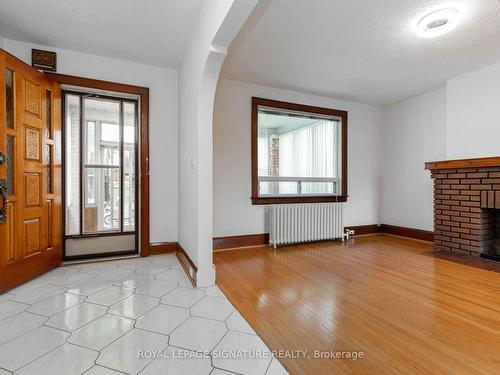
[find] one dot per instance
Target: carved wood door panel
(30, 137)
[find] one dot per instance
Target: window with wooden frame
(299, 153)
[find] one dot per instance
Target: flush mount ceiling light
(438, 22)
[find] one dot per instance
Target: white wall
(217, 24)
(162, 83)
(413, 132)
(193, 153)
(473, 121)
(233, 211)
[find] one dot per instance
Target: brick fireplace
(467, 206)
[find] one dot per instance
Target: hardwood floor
(380, 295)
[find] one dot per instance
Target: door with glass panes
(30, 172)
(100, 192)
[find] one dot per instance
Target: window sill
(288, 200)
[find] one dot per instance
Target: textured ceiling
(148, 31)
(361, 50)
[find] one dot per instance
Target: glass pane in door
(48, 114)
(10, 165)
(102, 165)
(48, 162)
(9, 98)
(101, 195)
(102, 132)
(129, 164)
(72, 163)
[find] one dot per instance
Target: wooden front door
(30, 174)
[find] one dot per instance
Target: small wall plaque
(44, 60)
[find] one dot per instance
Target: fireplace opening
(491, 234)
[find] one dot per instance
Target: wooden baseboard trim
(418, 234)
(163, 248)
(365, 229)
(229, 242)
(262, 239)
(185, 261)
(187, 264)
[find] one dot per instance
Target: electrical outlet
(350, 231)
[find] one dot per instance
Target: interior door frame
(143, 93)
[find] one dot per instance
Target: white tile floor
(111, 318)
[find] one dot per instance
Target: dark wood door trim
(143, 93)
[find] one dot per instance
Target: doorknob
(5, 201)
(3, 159)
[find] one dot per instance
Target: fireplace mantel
(493, 161)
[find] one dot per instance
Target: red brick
(461, 219)
(489, 169)
(450, 234)
(438, 237)
(460, 208)
(470, 204)
(442, 196)
(477, 175)
(475, 215)
(471, 226)
(457, 175)
(470, 248)
(461, 186)
(461, 241)
(442, 217)
(480, 187)
(491, 181)
(461, 230)
(442, 207)
(470, 192)
(460, 197)
(472, 237)
(439, 175)
(469, 181)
